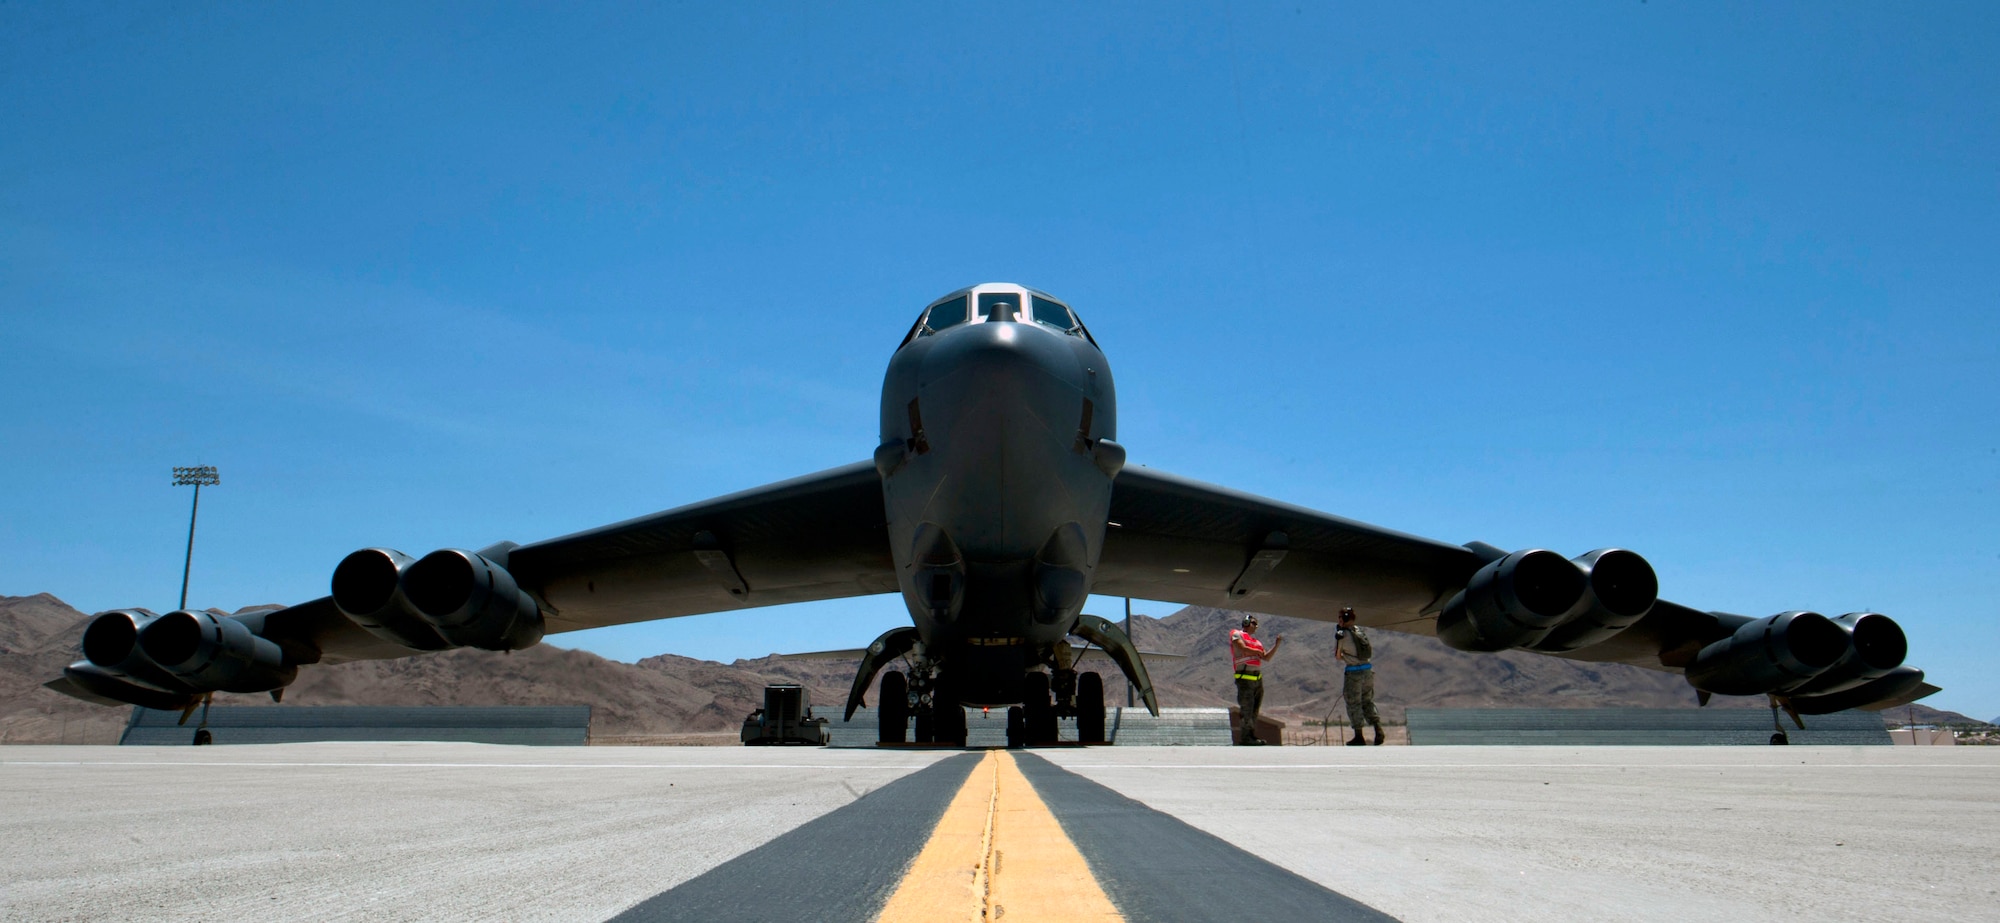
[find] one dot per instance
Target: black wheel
(1779, 739)
(1090, 708)
(926, 728)
(1039, 709)
(203, 738)
(894, 708)
(951, 725)
(1017, 727)
(1035, 690)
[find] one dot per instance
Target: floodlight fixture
(198, 476)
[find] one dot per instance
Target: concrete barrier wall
(1131, 727)
(548, 726)
(1629, 727)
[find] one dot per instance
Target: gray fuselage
(996, 501)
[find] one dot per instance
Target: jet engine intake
(368, 590)
(472, 602)
(215, 653)
(111, 644)
(1619, 589)
(1877, 646)
(1774, 654)
(1512, 602)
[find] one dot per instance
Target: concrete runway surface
(475, 832)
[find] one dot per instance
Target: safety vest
(1253, 662)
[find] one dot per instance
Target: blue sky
(1715, 284)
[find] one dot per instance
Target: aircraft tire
(1038, 708)
(926, 729)
(1090, 708)
(951, 725)
(1017, 727)
(895, 704)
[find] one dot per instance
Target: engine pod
(472, 601)
(215, 653)
(111, 644)
(368, 590)
(1773, 654)
(1877, 647)
(1512, 602)
(1619, 589)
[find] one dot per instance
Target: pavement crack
(989, 865)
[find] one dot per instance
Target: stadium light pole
(197, 476)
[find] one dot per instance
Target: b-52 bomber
(997, 499)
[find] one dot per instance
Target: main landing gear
(1046, 697)
(939, 719)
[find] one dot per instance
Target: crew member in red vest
(1247, 655)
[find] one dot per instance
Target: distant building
(1923, 735)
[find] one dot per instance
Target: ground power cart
(786, 719)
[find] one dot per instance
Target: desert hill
(667, 695)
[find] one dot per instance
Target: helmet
(1249, 620)
(1347, 612)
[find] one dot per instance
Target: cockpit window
(1000, 306)
(1054, 315)
(947, 314)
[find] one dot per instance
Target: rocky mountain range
(666, 697)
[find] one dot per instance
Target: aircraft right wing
(821, 536)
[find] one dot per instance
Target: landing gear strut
(1780, 738)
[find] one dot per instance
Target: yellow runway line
(998, 854)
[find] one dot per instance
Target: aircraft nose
(1002, 355)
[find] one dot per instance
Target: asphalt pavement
(413, 831)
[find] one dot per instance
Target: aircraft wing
(1184, 541)
(1180, 540)
(821, 536)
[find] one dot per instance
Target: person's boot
(1357, 741)
(1378, 733)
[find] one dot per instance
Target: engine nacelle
(1892, 688)
(111, 644)
(368, 590)
(472, 602)
(215, 653)
(93, 683)
(1774, 654)
(1876, 646)
(1512, 602)
(1619, 589)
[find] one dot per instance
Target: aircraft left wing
(1180, 540)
